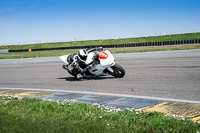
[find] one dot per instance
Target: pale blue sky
(33, 21)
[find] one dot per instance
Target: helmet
(82, 55)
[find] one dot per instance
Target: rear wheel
(118, 71)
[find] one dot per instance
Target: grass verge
(34, 115)
(188, 36)
(14, 55)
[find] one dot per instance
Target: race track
(169, 74)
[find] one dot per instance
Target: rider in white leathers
(86, 58)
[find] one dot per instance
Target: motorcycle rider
(85, 60)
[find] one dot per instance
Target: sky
(43, 21)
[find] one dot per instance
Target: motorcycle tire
(119, 71)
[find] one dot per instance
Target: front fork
(110, 70)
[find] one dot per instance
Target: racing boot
(79, 77)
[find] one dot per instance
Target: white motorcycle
(104, 65)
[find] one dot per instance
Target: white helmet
(82, 55)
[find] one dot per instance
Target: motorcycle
(103, 65)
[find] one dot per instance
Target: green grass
(49, 53)
(14, 55)
(34, 115)
(188, 36)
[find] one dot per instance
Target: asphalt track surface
(169, 74)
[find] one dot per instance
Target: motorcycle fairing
(64, 59)
(108, 61)
(98, 70)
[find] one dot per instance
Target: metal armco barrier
(178, 42)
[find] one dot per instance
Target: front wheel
(118, 71)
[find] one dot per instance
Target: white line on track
(106, 94)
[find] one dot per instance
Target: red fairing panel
(103, 55)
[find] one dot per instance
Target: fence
(179, 42)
